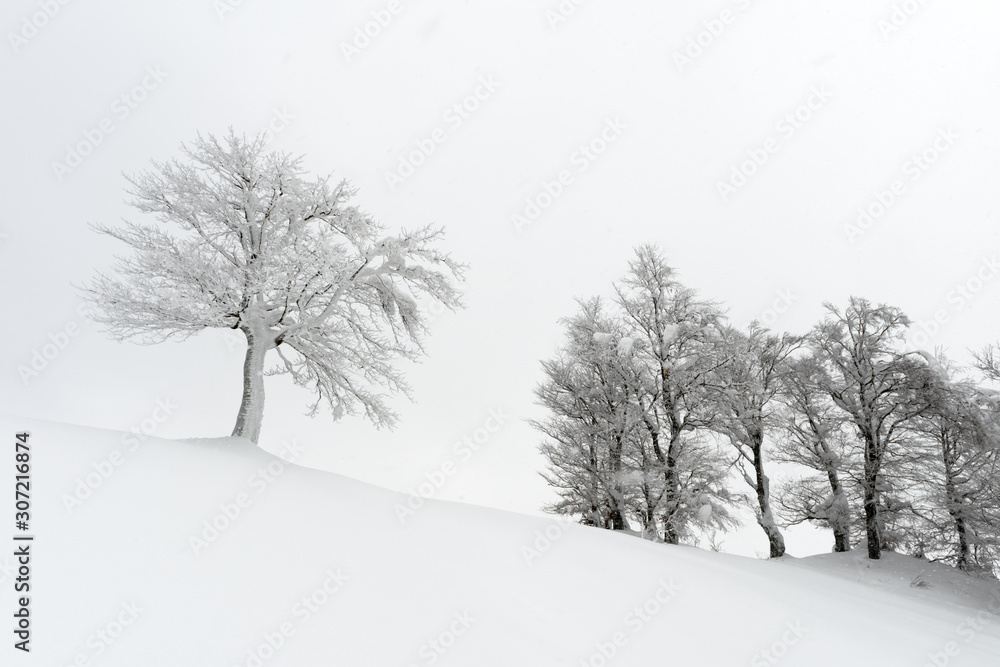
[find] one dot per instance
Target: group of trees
(656, 403)
(663, 416)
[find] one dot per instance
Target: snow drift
(215, 553)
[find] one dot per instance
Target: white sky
(890, 95)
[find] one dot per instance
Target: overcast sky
(742, 137)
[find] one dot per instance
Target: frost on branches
(655, 403)
(878, 388)
(626, 395)
(245, 240)
(814, 434)
(747, 382)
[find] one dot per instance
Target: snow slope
(318, 569)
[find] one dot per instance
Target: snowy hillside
(212, 553)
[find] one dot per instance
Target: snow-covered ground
(304, 567)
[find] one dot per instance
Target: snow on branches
(244, 239)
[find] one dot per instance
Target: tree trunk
(617, 519)
(649, 531)
(617, 493)
(841, 540)
(839, 509)
(964, 555)
(671, 490)
(649, 527)
(671, 486)
(871, 514)
(954, 503)
(870, 486)
(251, 414)
(765, 518)
(775, 540)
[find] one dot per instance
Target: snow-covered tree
(955, 485)
(587, 391)
(245, 239)
(746, 384)
(677, 331)
(813, 433)
(988, 361)
(614, 448)
(877, 385)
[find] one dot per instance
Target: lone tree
(245, 240)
